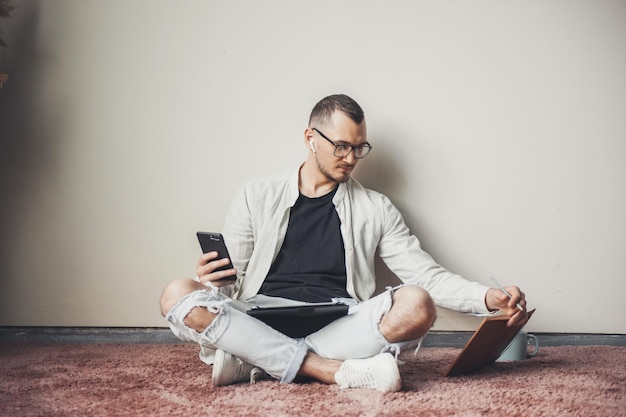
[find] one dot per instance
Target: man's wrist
(491, 310)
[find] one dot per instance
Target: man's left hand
(497, 300)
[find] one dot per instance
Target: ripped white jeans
(357, 336)
(354, 336)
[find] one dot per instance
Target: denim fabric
(357, 336)
(238, 334)
(351, 337)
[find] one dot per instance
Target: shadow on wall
(26, 136)
(382, 173)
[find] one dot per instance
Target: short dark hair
(324, 109)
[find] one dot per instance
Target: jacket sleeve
(239, 237)
(402, 253)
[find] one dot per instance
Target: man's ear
(308, 137)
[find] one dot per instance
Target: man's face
(342, 131)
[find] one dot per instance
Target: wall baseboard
(459, 339)
(156, 335)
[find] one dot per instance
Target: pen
(501, 288)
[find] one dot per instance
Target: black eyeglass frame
(352, 148)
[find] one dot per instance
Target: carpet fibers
(170, 380)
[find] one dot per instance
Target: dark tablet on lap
(299, 321)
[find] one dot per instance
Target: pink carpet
(170, 380)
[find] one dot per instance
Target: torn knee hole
(201, 317)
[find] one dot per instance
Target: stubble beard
(336, 178)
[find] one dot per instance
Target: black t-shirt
(311, 264)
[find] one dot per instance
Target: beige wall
(498, 130)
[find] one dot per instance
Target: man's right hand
(206, 270)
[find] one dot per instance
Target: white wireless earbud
(311, 145)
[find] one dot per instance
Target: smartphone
(214, 242)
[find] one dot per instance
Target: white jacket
(257, 223)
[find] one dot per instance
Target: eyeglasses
(341, 151)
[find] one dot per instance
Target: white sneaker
(229, 369)
(379, 372)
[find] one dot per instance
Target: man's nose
(350, 158)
